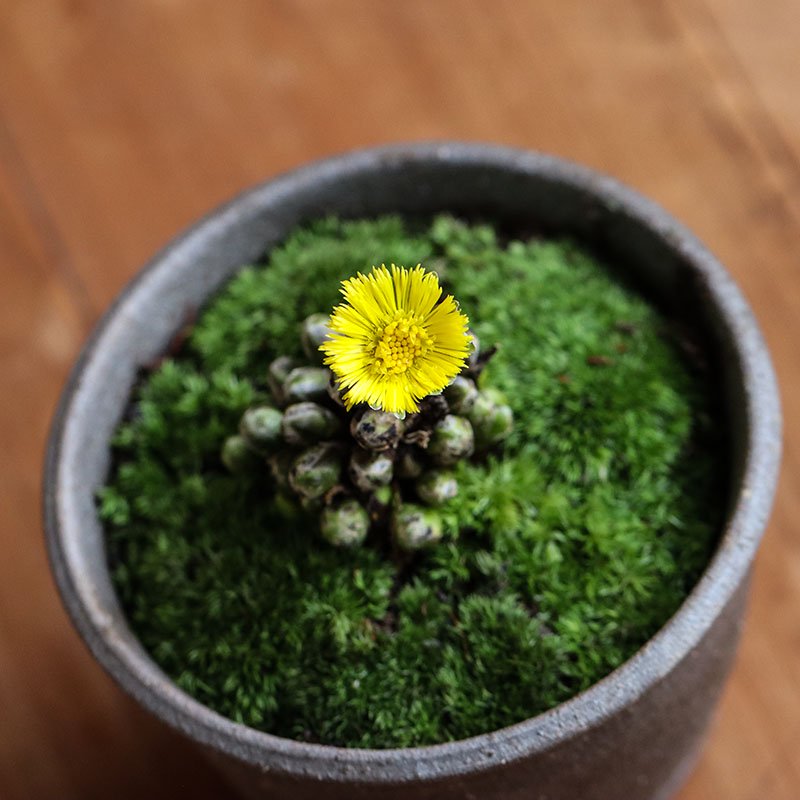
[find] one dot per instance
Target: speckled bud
(452, 440)
(306, 383)
(475, 351)
(376, 430)
(315, 471)
(345, 525)
(306, 423)
(409, 463)
(261, 427)
(313, 333)
(435, 487)
(497, 427)
(492, 420)
(236, 455)
(494, 395)
(369, 469)
(461, 394)
(277, 372)
(415, 527)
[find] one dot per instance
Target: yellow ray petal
(395, 340)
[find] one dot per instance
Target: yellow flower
(393, 342)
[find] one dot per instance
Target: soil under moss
(561, 559)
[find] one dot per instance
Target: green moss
(561, 559)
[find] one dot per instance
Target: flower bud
(376, 430)
(277, 372)
(313, 333)
(409, 463)
(306, 423)
(492, 420)
(368, 470)
(435, 487)
(315, 471)
(261, 427)
(415, 527)
(452, 440)
(494, 395)
(461, 394)
(306, 383)
(236, 455)
(345, 525)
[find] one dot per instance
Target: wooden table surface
(122, 121)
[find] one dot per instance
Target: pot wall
(633, 735)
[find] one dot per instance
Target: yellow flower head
(392, 342)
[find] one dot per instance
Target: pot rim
(135, 671)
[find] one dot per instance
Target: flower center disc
(400, 343)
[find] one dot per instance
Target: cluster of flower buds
(365, 469)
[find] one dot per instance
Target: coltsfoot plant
(468, 585)
(396, 345)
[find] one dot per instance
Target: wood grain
(120, 122)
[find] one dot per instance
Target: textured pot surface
(631, 736)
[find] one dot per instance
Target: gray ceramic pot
(633, 735)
